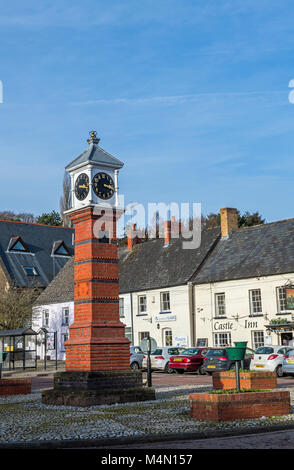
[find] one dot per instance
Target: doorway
(286, 338)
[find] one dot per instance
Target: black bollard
(149, 375)
(237, 376)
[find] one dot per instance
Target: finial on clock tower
(93, 138)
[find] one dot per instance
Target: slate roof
(261, 250)
(39, 241)
(149, 265)
(95, 154)
(61, 289)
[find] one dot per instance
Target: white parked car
(269, 358)
(136, 357)
(160, 358)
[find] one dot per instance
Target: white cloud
(179, 99)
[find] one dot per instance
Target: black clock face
(82, 186)
(103, 185)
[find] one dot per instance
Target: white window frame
(222, 339)
(129, 333)
(165, 302)
(142, 335)
(142, 306)
(121, 307)
(64, 338)
(220, 304)
(167, 333)
(281, 299)
(254, 303)
(45, 318)
(258, 339)
(65, 316)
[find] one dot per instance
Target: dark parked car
(190, 360)
(217, 360)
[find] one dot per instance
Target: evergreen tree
(49, 218)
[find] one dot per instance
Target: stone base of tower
(97, 388)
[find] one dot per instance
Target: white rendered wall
(239, 322)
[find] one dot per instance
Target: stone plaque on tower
(97, 351)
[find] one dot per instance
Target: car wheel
(168, 369)
(134, 366)
(279, 371)
(201, 370)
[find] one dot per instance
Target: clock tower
(94, 177)
(97, 350)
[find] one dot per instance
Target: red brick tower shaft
(97, 339)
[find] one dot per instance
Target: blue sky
(192, 95)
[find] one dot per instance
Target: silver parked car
(269, 358)
(136, 357)
(160, 358)
(288, 363)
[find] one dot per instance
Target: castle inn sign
(231, 325)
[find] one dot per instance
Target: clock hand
(83, 186)
(108, 186)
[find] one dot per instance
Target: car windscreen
(173, 351)
(190, 351)
(215, 352)
(157, 352)
(264, 350)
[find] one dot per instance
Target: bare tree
(22, 217)
(26, 217)
(64, 203)
(16, 307)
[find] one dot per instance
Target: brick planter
(227, 407)
(249, 380)
(15, 386)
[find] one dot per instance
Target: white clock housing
(92, 161)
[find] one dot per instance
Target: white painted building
(163, 313)
(242, 310)
(55, 318)
(240, 291)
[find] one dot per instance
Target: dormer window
(30, 270)
(16, 244)
(60, 248)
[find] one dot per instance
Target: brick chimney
(229, 220)
(172, 229)
(134, 237)
(176, 227)
(167, 232)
